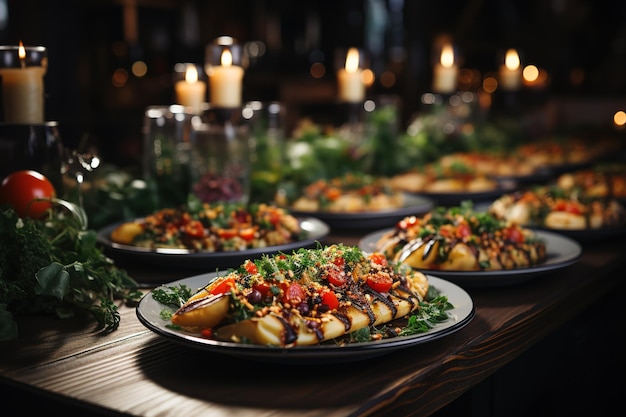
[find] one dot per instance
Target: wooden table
(67, 365)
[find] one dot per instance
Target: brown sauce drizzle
(199, 303)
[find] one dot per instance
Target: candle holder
(220, 164)
(224, 64)
(22, 69)
(35, 146)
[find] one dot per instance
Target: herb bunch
(54, 266)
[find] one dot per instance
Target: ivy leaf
(52, 280)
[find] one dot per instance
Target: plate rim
(463, 312)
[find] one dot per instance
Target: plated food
(607, 180)
(351, 193)
(461, 239)
(211, 228)
(554, 207)
(308, 297)
(441, 177)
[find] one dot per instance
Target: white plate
(149, 313)
(562, 252)
(184, 258)
(413, 205)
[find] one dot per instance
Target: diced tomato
(339, 261)
(221, 285)
(568, 206)
(378, 258)
(247, 234)
(227, 233)
(185, 218)
(251, 267)
(208, 332)
(463, 230)
(406, 223)
(274, 217)
(380, 282)
(194, 229)
(446, 231)
(332, 193)
(514, 234)
(336, 276)
(330, 299)
(293, 294)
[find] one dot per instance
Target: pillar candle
(351, 87)
(511, 71)
(446, 72)
(191, 91)
(225, 82)
(23, 92)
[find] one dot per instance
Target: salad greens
(54, 266)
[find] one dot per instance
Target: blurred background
(110, 59)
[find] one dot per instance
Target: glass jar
(220, 156)
(166, 154)
(266, 121)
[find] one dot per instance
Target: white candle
(511, 71)
(23, 92)
(351, 86)
(190, 91)
(225, 82)
(446, 72)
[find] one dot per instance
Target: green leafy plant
(54, 266)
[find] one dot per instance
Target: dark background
(88, 41)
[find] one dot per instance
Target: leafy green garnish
(427, 315)
(173, 296)
(54, 266)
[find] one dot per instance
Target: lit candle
(22, 85)
(225, 82)
(191, 91)
(511, 71)
(446, 72)
(351, 86)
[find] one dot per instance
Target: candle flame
(21, 51)
(227, 58)
(511, 61)
(352, 60)
(191, 75)
(447, 56)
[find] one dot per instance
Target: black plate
(562, 252)
(183, 258)
(149, 313)
(414, 205)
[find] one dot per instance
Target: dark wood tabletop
(67, 364)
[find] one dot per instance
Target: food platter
(414, 205)
(562, 252)
(184, 258)
(149, 314)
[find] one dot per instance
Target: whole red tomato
(20, 188)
